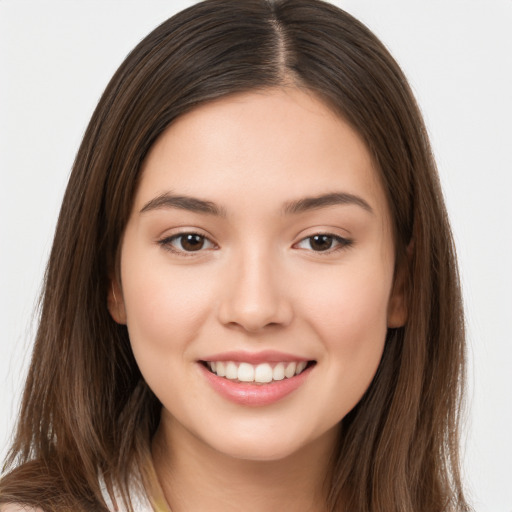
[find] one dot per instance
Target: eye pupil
(192, 242)
(321, 242)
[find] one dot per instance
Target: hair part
(86, 410)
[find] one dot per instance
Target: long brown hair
(86, 410)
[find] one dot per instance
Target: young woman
(252, 299)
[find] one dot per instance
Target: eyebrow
(192, 204)
(324, 201)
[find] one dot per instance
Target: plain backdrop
(56, 57)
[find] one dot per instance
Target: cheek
(350, 300)
(165, 308)
(349, 315)
(165, 311)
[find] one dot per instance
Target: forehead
(268, 146)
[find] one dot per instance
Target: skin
(258, 283)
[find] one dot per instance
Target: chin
(265, 446)
(259, 452)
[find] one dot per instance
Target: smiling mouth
(263, 373)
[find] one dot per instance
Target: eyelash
(341, 243)
(166, 243)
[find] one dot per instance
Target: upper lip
(265, 356)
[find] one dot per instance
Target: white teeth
(220, 369)
(231, 371)
(246, 372)
(261, 373)
(278, 373)
(300, 367)
(289, 371)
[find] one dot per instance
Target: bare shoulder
(13, 507)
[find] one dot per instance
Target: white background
(55, 60)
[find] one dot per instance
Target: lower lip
(247, 393)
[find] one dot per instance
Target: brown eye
(323, 242)
(186, 243)
(191, 242)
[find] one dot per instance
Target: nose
(254, 295)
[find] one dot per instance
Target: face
(257, 273)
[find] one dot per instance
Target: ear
(397, 307)
(115, 302)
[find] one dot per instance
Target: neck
(195, 477)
